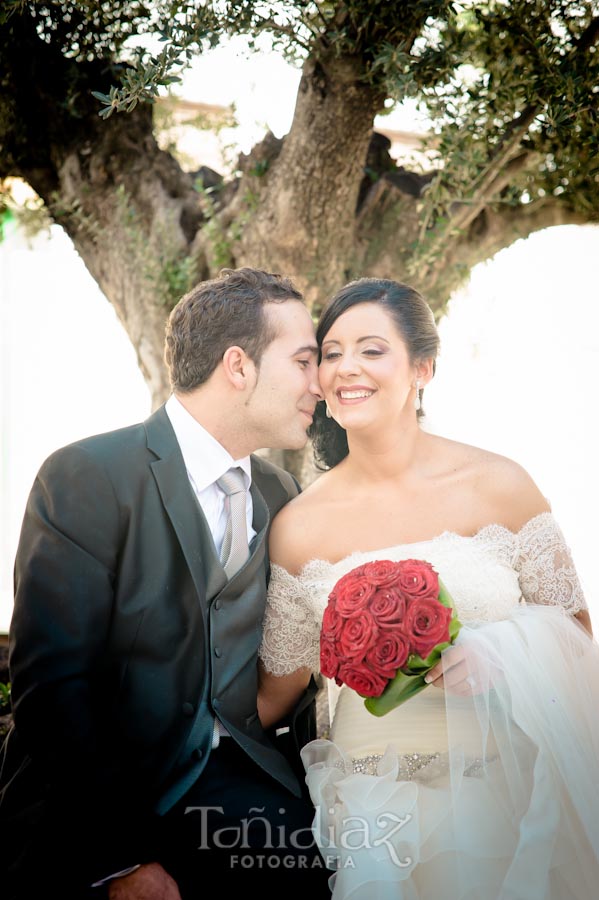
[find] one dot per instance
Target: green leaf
(401, 688)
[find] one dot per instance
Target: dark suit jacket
(111, 645)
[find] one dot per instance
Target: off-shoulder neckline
(444, 535)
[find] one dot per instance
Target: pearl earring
(417, 403)
(328, 411)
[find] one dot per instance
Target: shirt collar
(205, 459)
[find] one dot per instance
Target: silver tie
(235, 549)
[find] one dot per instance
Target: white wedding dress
(490, 797)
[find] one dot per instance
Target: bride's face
(365, 372)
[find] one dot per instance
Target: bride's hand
(278, 695)
(149, 882)
(454, 675)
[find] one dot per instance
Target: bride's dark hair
(414, 321)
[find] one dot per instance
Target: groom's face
(281, 404)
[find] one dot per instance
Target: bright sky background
(517, 372)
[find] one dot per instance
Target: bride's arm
(290, 650)
(543, 560)
(585, 620)
(278, 695)
(546, 569)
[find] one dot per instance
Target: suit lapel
(182, 508)
(261, 516)
(184, 511)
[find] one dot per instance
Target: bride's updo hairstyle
(416, 325)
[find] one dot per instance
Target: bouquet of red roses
(385, 626)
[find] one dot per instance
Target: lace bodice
(487, 574)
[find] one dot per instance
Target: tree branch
(388, 228)
(493, 230)
(272, 26)
(485, 187)
(589, 36)
(489, 183)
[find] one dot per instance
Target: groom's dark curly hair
(415, 323)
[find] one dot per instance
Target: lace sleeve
(545, 567)
(291, 632)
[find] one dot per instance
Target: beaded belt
(410, 764)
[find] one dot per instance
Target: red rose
(389, 654)
(388, 606)
(332, 623)
(358, 635)
(418, 579)
(426, 624)
(348, 577)
(329, 662)
(353, 595)
(361, 679)
(381, 572)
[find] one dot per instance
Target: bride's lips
(357, 393)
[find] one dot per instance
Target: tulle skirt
(501, 801)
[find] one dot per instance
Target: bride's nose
(348, 365)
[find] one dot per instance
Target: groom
(137, 766)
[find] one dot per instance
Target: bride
(486, 784)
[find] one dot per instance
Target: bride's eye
(373, 351)
(331, 354)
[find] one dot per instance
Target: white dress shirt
(206, 460)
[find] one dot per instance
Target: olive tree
(510, 87)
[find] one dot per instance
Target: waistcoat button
(188, 709)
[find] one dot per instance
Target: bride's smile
(366, 372)
(353, 395)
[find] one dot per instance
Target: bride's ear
(424, 369)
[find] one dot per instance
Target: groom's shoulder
(112, 441)
(270, 475)
(121, 444)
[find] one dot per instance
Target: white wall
(67, 369)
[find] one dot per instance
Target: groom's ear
(238, 368)
(425, 369)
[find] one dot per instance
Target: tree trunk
(305, 218)
(125, 205)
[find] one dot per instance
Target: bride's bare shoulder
(294, 532)
(500, 484)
